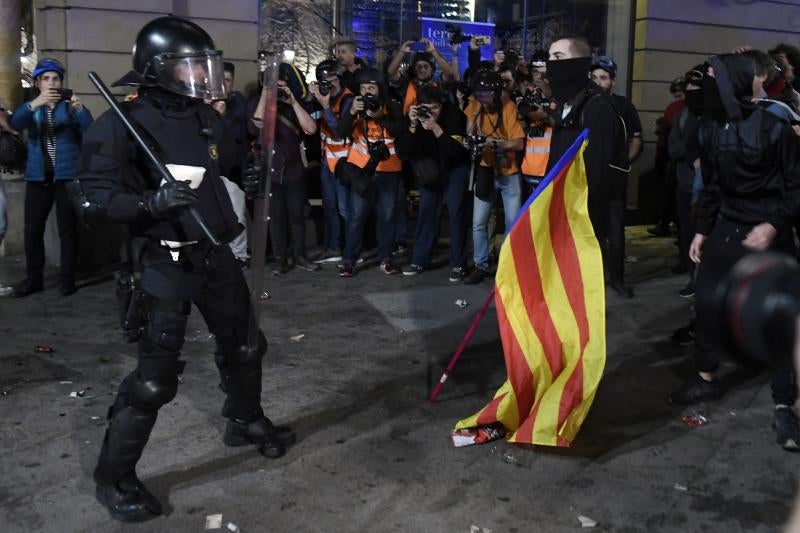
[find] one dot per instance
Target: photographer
(289, 182)
(334, 101)
(55, 120)
(372, 169)
(421, 71)
(750, 198)
(494, 134)
(438, 161)
(534, 110)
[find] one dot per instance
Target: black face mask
(568, 76)
(712, 100)
(694, 101)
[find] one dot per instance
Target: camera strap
(495, 126)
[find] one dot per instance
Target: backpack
(12, 151)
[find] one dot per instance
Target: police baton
(162, 168)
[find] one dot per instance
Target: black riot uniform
(180, 266)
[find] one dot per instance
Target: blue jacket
(69, 127)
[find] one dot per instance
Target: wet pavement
(372, 455)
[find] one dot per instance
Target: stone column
(10, 87)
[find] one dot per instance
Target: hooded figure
(751, 174)
(728, 89)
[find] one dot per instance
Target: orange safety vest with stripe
(359, 151)
(537, 153)
(411, 95)
(333, 148)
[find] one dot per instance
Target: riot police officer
(175, 66)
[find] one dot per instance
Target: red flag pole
(464, 342)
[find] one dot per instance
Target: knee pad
(151, 394)
(240, 354)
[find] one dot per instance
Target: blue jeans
(335, 204)
(510, 191)
(383, 192)
(401, 218)
(453, 191)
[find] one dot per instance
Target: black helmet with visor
(179, 56)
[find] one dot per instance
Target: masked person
(334, 101)
(439, 163)
(494, 135)
(684, 152)
(175, 66)
(372, 170)
(582, 104)
(750, 197)
(55, 124)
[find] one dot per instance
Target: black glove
(251, 178)
(171, 196)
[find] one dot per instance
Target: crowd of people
(475, 144)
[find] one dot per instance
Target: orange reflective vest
(411, 95)
(359, 151)
(334, 148)
(537, 153)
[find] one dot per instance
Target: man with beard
(423, 67)
(582, 104)
(750, 197)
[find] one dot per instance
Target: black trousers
(721, 250)
(614, 252)
(39, 199)
(287, 207)
(212, 280)
(683, 200)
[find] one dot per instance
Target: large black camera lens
(423, 111)
(324, 87)
(759, 304)
(371, 102)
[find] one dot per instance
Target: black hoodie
(606, 155)
(751, 158)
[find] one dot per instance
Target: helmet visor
(196, 75)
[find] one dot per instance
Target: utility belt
(133, 303)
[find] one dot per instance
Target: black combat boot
(128, 500)
(272, 440)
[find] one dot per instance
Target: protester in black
(582, 104)
(750, 198)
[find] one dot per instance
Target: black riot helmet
(369, 75)
(487, 80)
(329, 67)
(179, 56)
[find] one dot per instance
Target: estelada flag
(550, 300)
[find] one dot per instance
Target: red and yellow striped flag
(550, 300)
